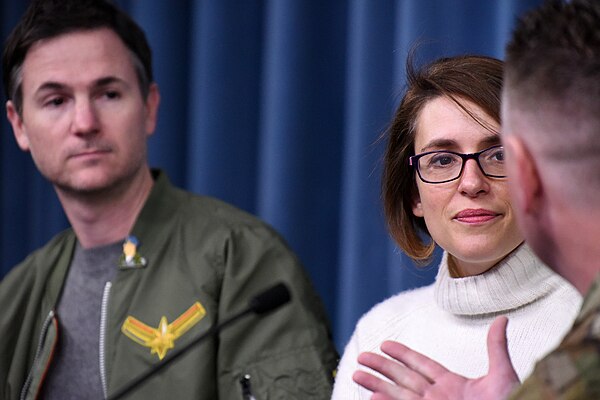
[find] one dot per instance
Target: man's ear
(152, 102)
(524, 179)
(17, 125)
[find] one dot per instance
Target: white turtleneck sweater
(448, 320)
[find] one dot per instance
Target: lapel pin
(130, 257)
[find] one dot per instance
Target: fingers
(395, 372)
(382, 390)
(496, 343)
(499, 358)
(414, 376)
(424, 365)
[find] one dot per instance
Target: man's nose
(85, 118)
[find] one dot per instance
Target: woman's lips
(472, 216)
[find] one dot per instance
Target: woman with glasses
(444, 183)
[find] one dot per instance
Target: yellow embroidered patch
(162, 339)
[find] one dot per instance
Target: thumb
(500, 364)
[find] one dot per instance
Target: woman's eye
(497, 155)
(441, 160)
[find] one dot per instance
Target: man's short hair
(552, 75)
(46, 19)
(555, 52)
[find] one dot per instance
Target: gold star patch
(162, 339)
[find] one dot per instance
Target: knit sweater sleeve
(345, 388)
(383, 322)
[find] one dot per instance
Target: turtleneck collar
(520, 278)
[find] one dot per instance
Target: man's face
(84, 119)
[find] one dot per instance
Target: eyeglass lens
(444, 166)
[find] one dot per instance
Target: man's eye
(55, 101)
(112, 94)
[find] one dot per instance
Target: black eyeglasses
(445, 166)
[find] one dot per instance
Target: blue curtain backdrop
(276, 106)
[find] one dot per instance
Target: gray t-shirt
(75, 370)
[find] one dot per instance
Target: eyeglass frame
(413, 161)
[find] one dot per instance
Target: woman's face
(471, 217)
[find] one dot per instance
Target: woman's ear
(417, 208)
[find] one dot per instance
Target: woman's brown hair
(477, 79)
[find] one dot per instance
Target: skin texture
(475, 246)
(422, 378)
(85, 123)
(66, 104)
(555, 209)
(475, 243)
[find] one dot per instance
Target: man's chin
(98, 182)
(86, 185)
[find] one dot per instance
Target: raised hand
(414, 376)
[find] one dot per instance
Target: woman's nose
(473, 181)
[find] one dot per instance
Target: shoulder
(204, 225)
(401, 303)
(169, 205)
(24, 292)
(40, 261)
(563, 296)
(215, 213)
(395, 310)
(578, 360)
(41, 272)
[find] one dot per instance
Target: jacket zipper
(38, 353)
(103, 317)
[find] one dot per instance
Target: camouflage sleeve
(572, 371)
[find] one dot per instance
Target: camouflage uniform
(572, 371)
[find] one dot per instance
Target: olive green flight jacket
(198, 250)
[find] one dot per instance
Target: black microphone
(262, 303)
